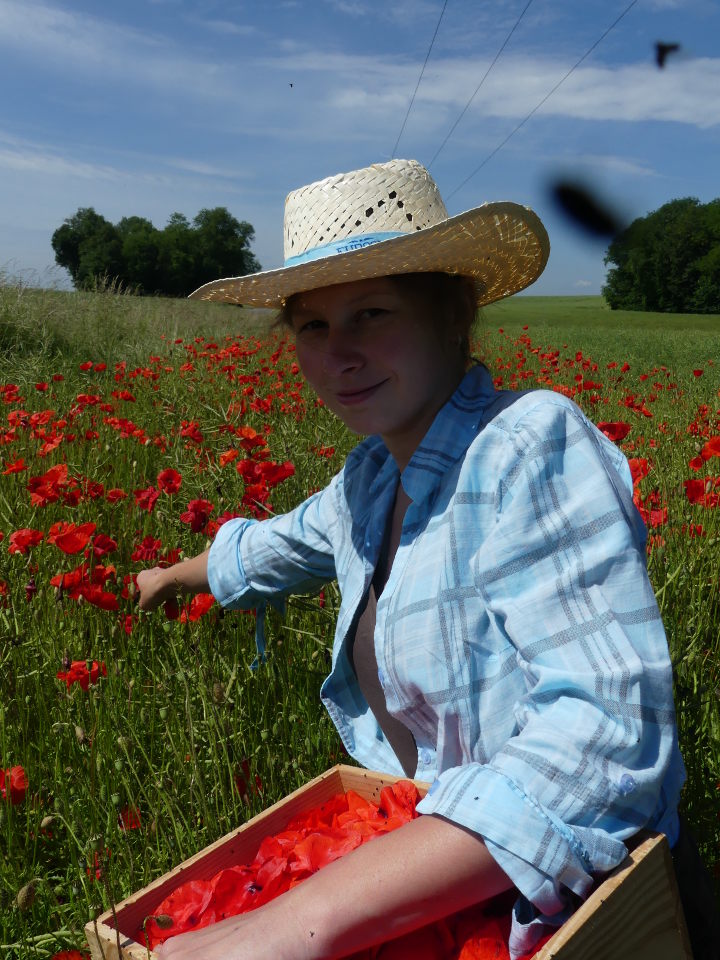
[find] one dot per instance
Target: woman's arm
(425, 870)
(163, 583)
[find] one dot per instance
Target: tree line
(171, 262)
(667, 261)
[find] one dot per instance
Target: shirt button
(626, 785)
(425, 756)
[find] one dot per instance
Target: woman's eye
(371, 313)
(308, 327)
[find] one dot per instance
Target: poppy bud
(218, 692)
(47, 822)
(26, 896)
(163, 921)
(80, 734)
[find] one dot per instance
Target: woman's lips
(349, 398)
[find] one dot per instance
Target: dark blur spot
(663, 51)
(585, 210)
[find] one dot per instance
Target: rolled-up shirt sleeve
(253, 562)
(564, 581)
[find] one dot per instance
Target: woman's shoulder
(538, 411)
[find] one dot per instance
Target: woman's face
(378, 358)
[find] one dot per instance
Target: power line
(477, 88)
(394, 149)
(544, 99)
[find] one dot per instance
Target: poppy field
(130, 430)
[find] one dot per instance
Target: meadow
(129, 430)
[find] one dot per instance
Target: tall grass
(183, 734)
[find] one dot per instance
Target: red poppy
(197, 514)
(13, 784)
(146, 499)
(147, 549)
(21, 540)
(71, 955)
(129, 818)
(711, 448)
(70, 538)
(169, 480)
(115, 495)
(17, 467)
(198, 607)
(615, 431)
(102, 545)
(701, 491)
(79, 673)
(227, 457)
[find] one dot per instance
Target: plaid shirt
(517, 636)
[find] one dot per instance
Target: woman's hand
(270, 931)
(155, 587)
(163, 583)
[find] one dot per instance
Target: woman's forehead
(345, 293)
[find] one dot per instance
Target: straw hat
(390, 218)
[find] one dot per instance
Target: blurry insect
(585, 210)
(291, 85)
(663, 51)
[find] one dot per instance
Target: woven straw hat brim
(503, 246)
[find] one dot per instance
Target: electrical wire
(417, 85)
(544, 100)
(477, 88)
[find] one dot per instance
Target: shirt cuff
(226, 576)
(540, 854)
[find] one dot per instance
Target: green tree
(172, 261)
(89, 247)
(221, 246)
(667, 261)
(140, 249)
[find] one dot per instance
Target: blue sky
(147, 107)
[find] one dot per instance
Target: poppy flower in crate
(169, 480)
(21, 540)
(70, 538)
(13, 784)
(79, 673)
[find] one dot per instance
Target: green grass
(181, 718)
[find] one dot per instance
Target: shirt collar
(451, 433)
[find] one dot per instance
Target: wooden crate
(635, 914)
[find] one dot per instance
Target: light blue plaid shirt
(517, 636)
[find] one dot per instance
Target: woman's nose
(340, 355)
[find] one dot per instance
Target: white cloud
(584, 283)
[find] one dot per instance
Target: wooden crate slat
(634, 914)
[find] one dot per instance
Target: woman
(498, 635)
